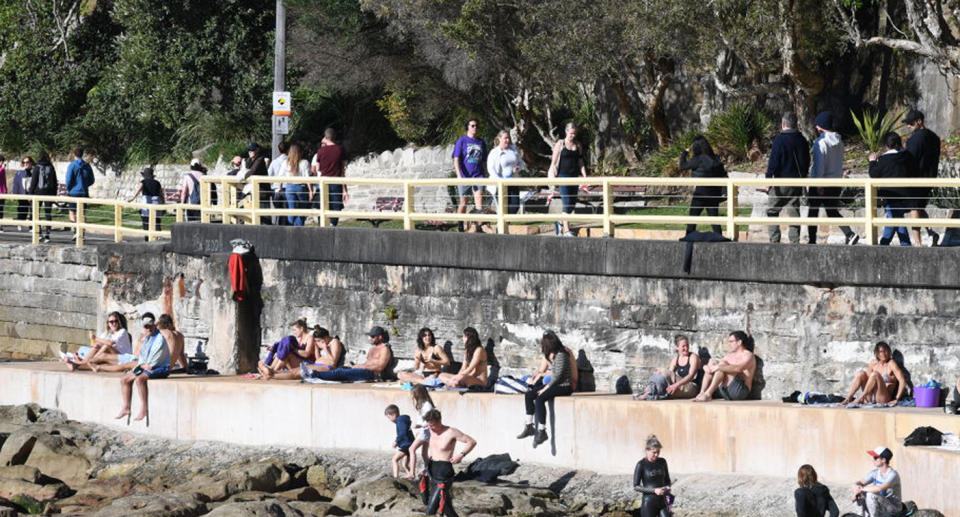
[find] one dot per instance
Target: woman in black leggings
(567, 162)
(560, 385)
(652, 478)
(704, 164)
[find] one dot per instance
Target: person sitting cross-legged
(378, 358)
(733, 375)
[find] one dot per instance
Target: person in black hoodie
(789, 158)
(813, 499)
(924, 147)
(256, 165)
(704, 164)
(43, 182)
(893, 164)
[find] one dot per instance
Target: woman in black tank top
(567, 162)
(684, 378)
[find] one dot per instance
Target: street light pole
(279, 70)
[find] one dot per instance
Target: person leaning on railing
(893, 164)
(43, 182)
(704, 164)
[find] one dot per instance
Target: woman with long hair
(429, 359)
(296, 193)
(567, 162)
(560, 385)
(882, 382)
(812, 499)
(113, 346)
(503, 162)
(704, 164)
(473, 371)
(423, 404)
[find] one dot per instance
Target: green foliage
(28, 504)
(665, 161)
(871, 127)
(734, 130)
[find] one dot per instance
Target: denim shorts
(466, 190)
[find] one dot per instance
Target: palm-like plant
(872, 127)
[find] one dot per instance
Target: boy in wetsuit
(403, 441)
(443, 441)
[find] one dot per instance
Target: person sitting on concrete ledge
(284, 355)
(112, 347)
(879, 492)
(882, 382)
(153, 363)
(429, 356)
(328, 350)
(378, 358)
(473, 371)
(178, 358)
(733, 375)
(560, 385)
(536, 380)
(682, 378)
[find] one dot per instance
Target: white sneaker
(569, 234)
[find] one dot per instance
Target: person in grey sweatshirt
(827, 163)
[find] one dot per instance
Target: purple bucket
(927, 397)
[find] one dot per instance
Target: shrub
(664, 161)
(872, 127)
(733, 131)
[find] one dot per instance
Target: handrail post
(501, 206)
(324, 201)
(151, 223)
(205, 202)
(869, 212)
(255, 198)
(117, 223)
(230, 187)
(608, 227)
(34, 220)
(407, 205)
(80, 220)
(732, 232)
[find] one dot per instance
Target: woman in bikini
(429, 356)
(473, 372)
(882, 382)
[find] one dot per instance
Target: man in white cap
(880, 490)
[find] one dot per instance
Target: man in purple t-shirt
(469, 155)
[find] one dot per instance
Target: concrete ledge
(886, 266)
(602, 433)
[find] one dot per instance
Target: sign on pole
(281, 125)
(282, 104)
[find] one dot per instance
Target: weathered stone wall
(48, 298)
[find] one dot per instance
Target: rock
(22, 414)
(154, 505)
(318, 508)
(382, 493)
(927, 513)
(97, 492)
(471, 497)
(21, 472)
(266, 476)
(256, 509)
(59, 457)
(306, 493)
(318, 478)
(252, 496)
(11, 488)
(119, 469)
(16, 448)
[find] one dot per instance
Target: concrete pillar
(234, 345)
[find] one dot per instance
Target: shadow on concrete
(557, 486)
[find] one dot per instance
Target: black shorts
(405, 450)
(736, 390)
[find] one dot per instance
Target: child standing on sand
(403, 441)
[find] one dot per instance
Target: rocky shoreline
(52, 465)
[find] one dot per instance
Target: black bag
(924, 436)
(489, 468)
(623, 385)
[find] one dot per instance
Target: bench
(591, 196)
(395, 204)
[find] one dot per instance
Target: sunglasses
(113, 321)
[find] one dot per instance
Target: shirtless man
(178, 359)
(378, 357)
(733, 375)
(443, 441)
(473, 371)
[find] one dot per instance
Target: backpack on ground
(510, 385)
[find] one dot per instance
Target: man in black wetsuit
(443, 441)
(652, 477)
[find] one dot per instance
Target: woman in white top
(296, 193)
(423, 404)
(113, 346)
(502, 162)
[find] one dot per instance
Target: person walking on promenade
(733, 375)
(331, 163)
(79, 179)
(3, 183)
(278, 197)
(566, 162)
(704, 164)
(43, 182)
(812, 499)
(468, 156)
(560, 385)
(503, 162)
(21, 185)
(882, 382)
(296, 193)
(924, 147)
(789, 158)
(443, 442)
(827, 163)
(190, 189)
(256, 165)
(894, 163)
(879, 492)
(651, 477)
(152, 193)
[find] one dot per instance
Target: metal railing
(109, 217)
(230, 210)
